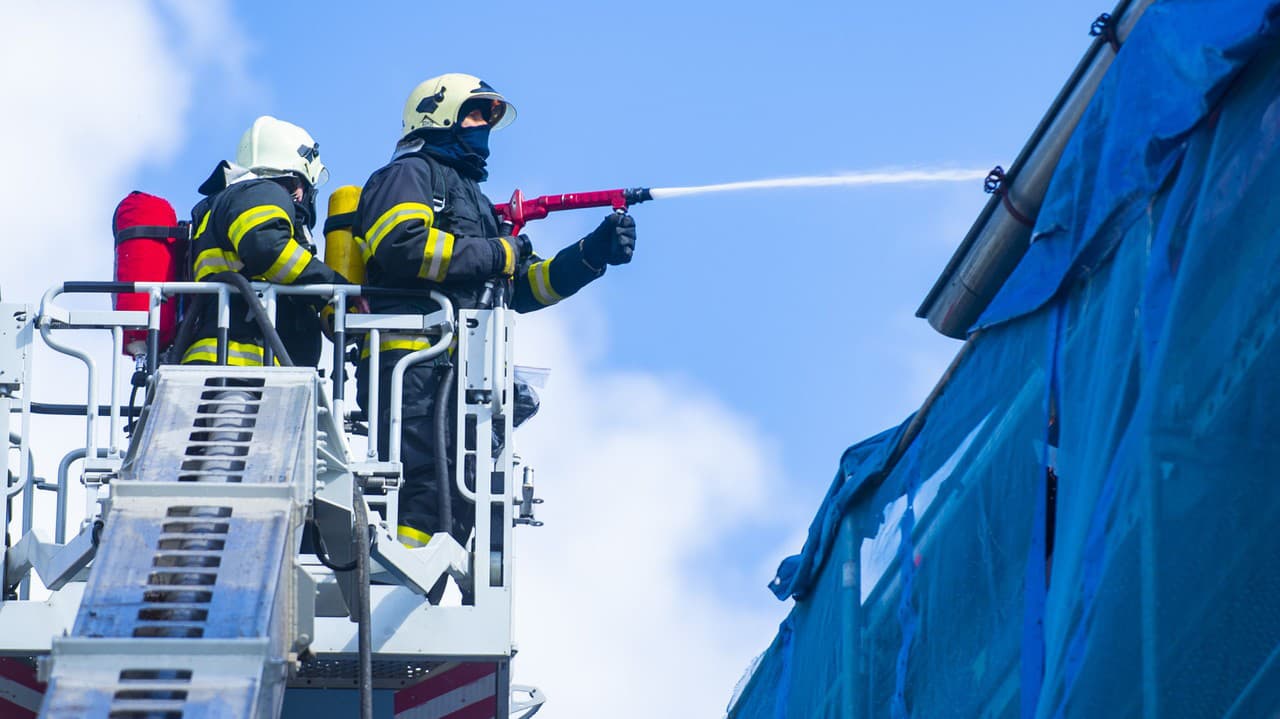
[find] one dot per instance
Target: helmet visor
(497, 112)
(503, 114)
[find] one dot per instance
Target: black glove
(613, 242)
(355, 306)
(523, 246)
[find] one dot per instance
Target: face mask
(474, 139)
(464, 149)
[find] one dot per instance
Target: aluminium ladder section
(190, 610)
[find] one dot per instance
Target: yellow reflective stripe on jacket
(411, 537)
(215, 260)
(393, 342)
(293, 259)
(239, 354)
(436, 255)
(540, 283)
(402, 212)
(204, 223)
(253, 217)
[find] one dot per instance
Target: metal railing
(52, 318)
(390, 594)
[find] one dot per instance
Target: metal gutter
(998, 239)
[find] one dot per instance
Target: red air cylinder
(149, 247)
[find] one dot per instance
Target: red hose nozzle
(518, 211)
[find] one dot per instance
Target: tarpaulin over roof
(861, 463)
(1084, 524)
(1131, 138)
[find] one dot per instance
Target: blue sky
(793, 307)
(784, 319)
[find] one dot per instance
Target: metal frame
(405, 628)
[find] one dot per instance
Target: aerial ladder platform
(238, 558)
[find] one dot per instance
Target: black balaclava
(306, 209)
(464, 149)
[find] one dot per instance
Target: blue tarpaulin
(1084, 523)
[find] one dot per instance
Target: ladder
(190, 611)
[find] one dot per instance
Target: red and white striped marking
(463, 691)
(20, 693)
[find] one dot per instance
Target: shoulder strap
(340, 221)
(439, 194)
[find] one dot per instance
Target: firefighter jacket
(250, 227)
(422, 225)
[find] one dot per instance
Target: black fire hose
(269, 334)
(187, 327)
(443, 391)
(322, 552)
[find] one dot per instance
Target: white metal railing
(52, 318)
(481, 564)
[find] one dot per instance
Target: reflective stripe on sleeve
(390, 219)
(239, 354)
(410, 537)
(540, 283)
(253, 217)
(215, 260)
(436, 255)
(509, 263)
(293, 259)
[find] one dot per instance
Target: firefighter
(423, 223)
(256, 219)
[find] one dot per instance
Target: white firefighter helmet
(275, 147)
(436, 103)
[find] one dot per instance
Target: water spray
(519, 211)
(897, 177)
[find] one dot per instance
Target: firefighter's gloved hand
(524, 248)
(355, 305)
(509, 252)
(326, 321)
(613, 242)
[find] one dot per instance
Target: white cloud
(616, 612)
(212, 40)
(94, 92)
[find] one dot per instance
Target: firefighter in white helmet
(425, 224)
(256, 220)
